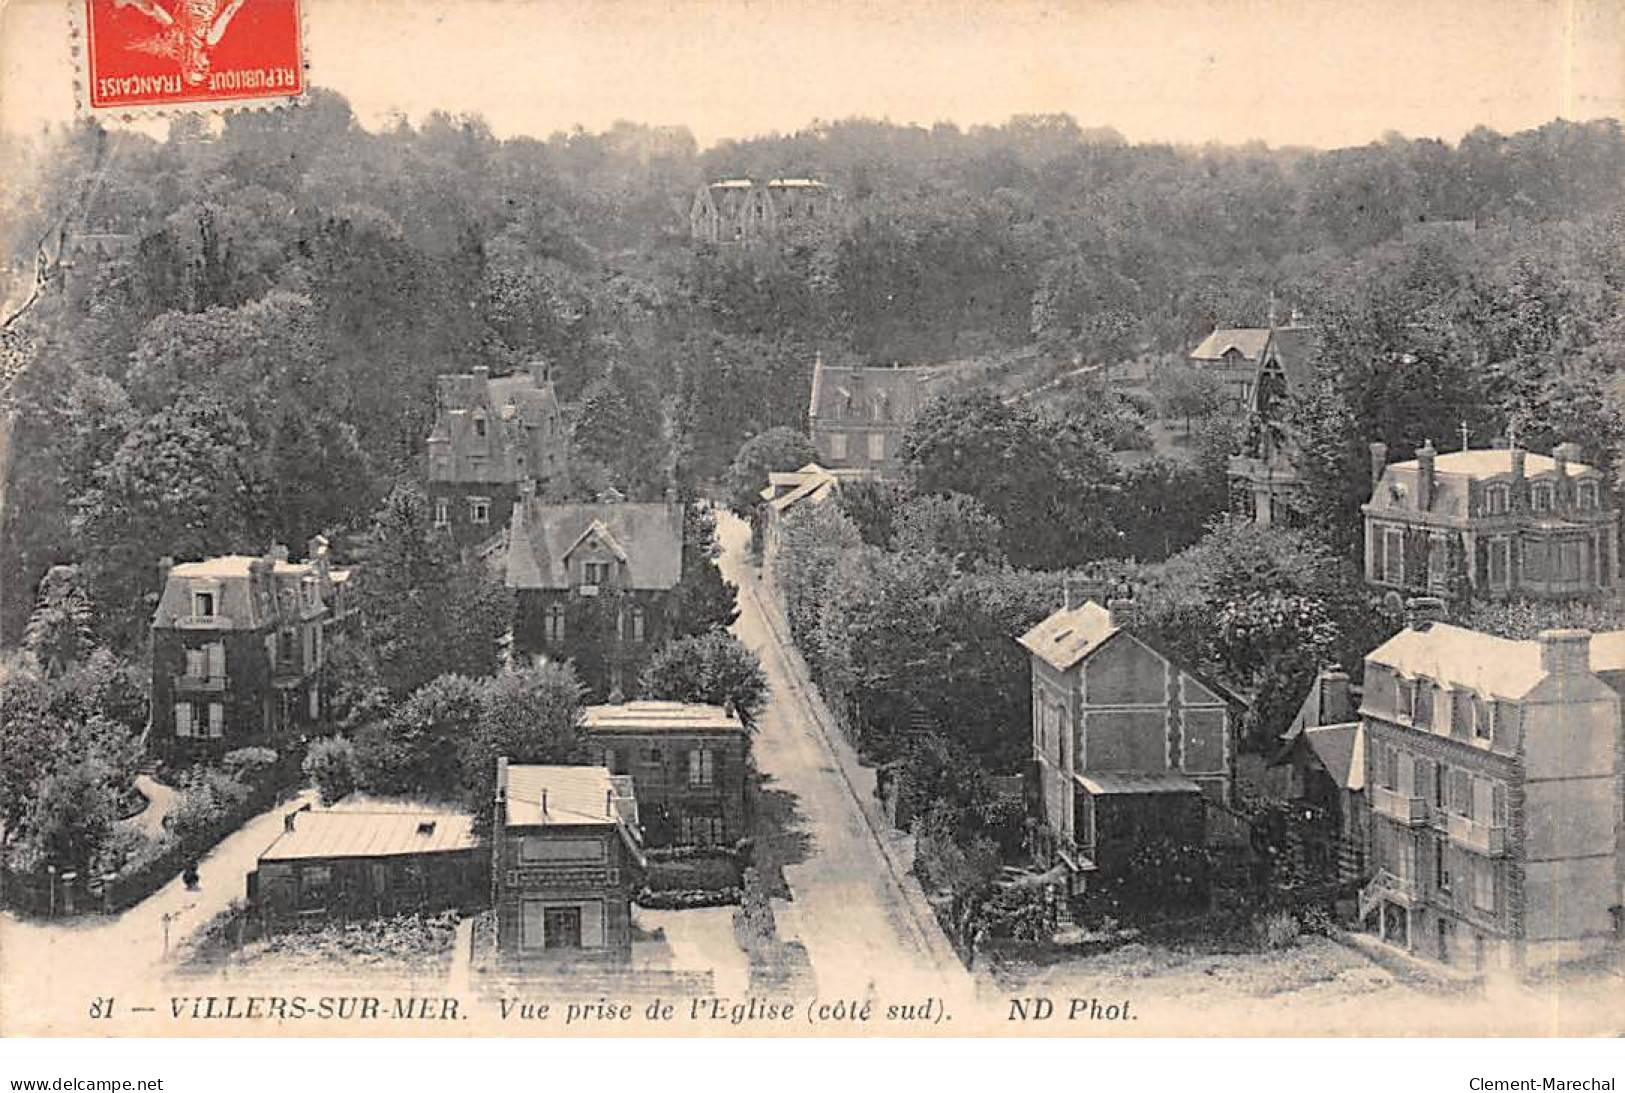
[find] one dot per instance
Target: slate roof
(906, 390)
(654, 717)
(1295, 348)
(1453, 474)
(648, 534)
(349, 834)
(250, 592)
(525, 431)
(1492, 666)
(1341, 750)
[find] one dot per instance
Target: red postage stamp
(161, 53)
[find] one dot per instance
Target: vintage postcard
(709, 518)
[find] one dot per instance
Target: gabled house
(1265, 479)
(594, 583)
(1127, 745)
(787, 491)
(739, 210)
(238, 649)
(490, 434)
(857, 415)
(1495, 523)
(567, 854)
(1322, 754)
(1495, 771)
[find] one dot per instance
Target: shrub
(713, 873)
(1277, 930)
(331, 764)
(207, 805)
(248, 764)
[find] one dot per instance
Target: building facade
(741, 210)
(689, 763)
(371, 864)
(490, 434)
(594, 584)
(1494, 777)
(1322, 758)
(1494, 523)
(567, 856)
(858, 415)
(1127, 745)
(238, 649)
(1265, 478)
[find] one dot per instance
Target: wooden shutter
(217, 660)
(592, 924)
(217, 720)
(183, 719)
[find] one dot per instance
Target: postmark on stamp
(141, 55)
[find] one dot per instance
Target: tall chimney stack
(1565, 652)
(1425, 479)
(1379, 461)
(1422, 612)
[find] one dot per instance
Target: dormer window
(595, 573)
(479, 427)
(203, 603)
(1540, 497)
(479, 510)
(1585, 495)
(1496, 500)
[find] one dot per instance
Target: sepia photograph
(742, 518)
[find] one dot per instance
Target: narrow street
(863, 919)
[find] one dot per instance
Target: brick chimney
(502, 780)
(1336, 706)
(1517, 463)
(1564, 454)
(1565, 652)
(1379, 461)
(1121, 612)
(1425, 475)
(278, 552)
(481, 373)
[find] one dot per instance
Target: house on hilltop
(490, 434)
(594, 583)
(739, 210)
(1265, 478)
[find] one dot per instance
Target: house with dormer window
(491, 433)
(239, 646)
(858, 415)
(1497, 523)
(594, 583)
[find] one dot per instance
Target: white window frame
(1586, 494)
(479, 510)
(184, 720)
(877, 447)
(702, 768)
(213, 595)
(217, 720)
(1540, 497)
(1496, 500)
(595, 573)
(837, 445)
(197, 662)
(638, 623)
(442, 513)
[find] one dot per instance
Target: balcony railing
(588, 590)
(189, 682)
(1388, 885)
(202, 622)
(1399, 806)
(1476, 835)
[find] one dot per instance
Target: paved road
(863, 919)
(49, 971)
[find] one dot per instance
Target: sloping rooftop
(650, 534)
(1295, 349)
(353, 834)
(645, 717)
(1068, 636)
(1452, 474)
(1493, 666)
(573, 795)
(1248, 341)
(843, 390)
(1341, 750)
